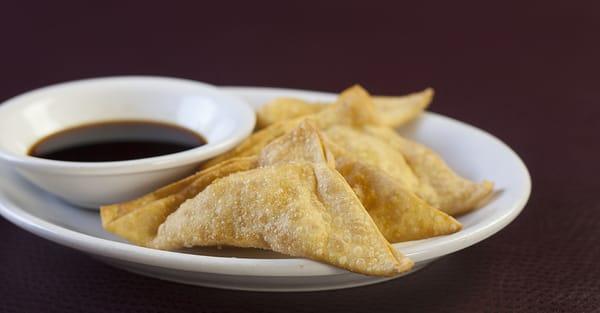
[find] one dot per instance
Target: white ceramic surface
(472, 152)
(224, 120)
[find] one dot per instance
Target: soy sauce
(116, 141)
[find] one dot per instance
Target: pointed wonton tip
(354, 93)
(404, 263)
(394, 111)
(479, 197)
(302, 143)
(429, 91)
(354, 106)
(428, 95)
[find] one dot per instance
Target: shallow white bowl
(222, 119)
(472, 152)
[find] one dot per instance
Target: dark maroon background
(527, 72)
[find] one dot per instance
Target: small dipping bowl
(223, 120)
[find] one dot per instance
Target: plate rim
(262, 267)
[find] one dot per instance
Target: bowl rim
(426, 250)
(195, 155)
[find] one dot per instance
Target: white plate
(473, 153)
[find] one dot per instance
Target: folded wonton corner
(399, 214)
(439, 185)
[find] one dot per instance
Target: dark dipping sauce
(116, 141)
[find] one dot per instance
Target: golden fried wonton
(392, 111)
(285, 109)
(293, 201)
(354, 107)
(354, 124)
(396, 111)
(399, 214)
(440, 186)
(371, 150)
(138, 220)
(328, 182)
(414, 166)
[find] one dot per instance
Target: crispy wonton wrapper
(138, 220)
(440, 186)
(354, 107)
(285, 109)
(355, 125)
(414, 166)
(399, 214)
(294, 202)
(371, 150)
(392, 111)
(391, 176)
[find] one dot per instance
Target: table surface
(526, 72)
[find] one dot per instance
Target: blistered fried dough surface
(398, 213)
(284, 109)
(370, 150)
(336, 195)
(353, 107)
(138, 220)
(296, 204)
(442, 187)
(252, 145)
(306, 143)
(391, 111)
(299, 209)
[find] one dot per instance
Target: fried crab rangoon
(399, 214)
(440, 186)
(335, 184)
(294, 203)
(416, 167)
(354, 121)
(354, 107)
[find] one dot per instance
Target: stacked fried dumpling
(289, 199)
(363, 130)
(335, 184)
